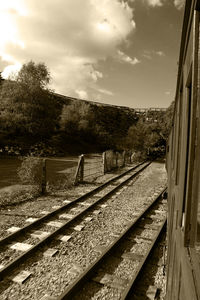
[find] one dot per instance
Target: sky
(120, 52)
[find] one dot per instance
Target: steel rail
(63, 207)
(89, 272)
(5, 271)
(128, 291)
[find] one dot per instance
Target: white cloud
(125, 58)
(10, 71)
(150, 53)
(82, 94)
(147, 54)
(160, 53)
(104, 91)
(179, 3)
(96, 74)
(71, 37)
(154, 3)
(167, 93)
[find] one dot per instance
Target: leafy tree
(151, 136)
(26, 104)
(167, 121)
(136, 136)
(75, 117)
(111, 125)
(35, 76)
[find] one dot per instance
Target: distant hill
(69, 100)
(140, 111)
(80, 126)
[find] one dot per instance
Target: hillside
(37, 121)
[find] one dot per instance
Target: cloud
(160, 53)
(147, 54)
(125, 58)
(104, 91)
(167, 93)
(71, 37)
(154, 3)
(82, 94)
(150, 53)
(10, 71)
(179, 3)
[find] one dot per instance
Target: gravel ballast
(52, 275)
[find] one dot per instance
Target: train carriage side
(183, 167)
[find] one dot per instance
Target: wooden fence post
(44, 183)
(116, 153)
(80, 170)
(104, 162)
(130, 157)
(124, 158)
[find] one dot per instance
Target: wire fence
(30, 176)
(58, 174)
(93, 166)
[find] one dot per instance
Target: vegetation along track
(121, 262)
(26, 239)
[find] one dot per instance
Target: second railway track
(50, 226)
(118, 265)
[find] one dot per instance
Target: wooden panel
(190, 199)
(187, 277)
(180, 283)
(184, 188)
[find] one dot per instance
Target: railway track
(51, 225)
(126, 255)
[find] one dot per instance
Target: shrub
(30, 171)
(62, 181)
(138, 156)
(16, 194)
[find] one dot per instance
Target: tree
(111, 125)
(26, 104)
(33, 75)
(75, 117)
(150, 137)
(167, 121)
(136, 136)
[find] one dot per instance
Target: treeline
(34, 120)
(148, 136)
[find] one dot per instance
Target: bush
(61, 182)
(138, 157)
(16, 194)
(30, 171)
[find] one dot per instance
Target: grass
(17, 193)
